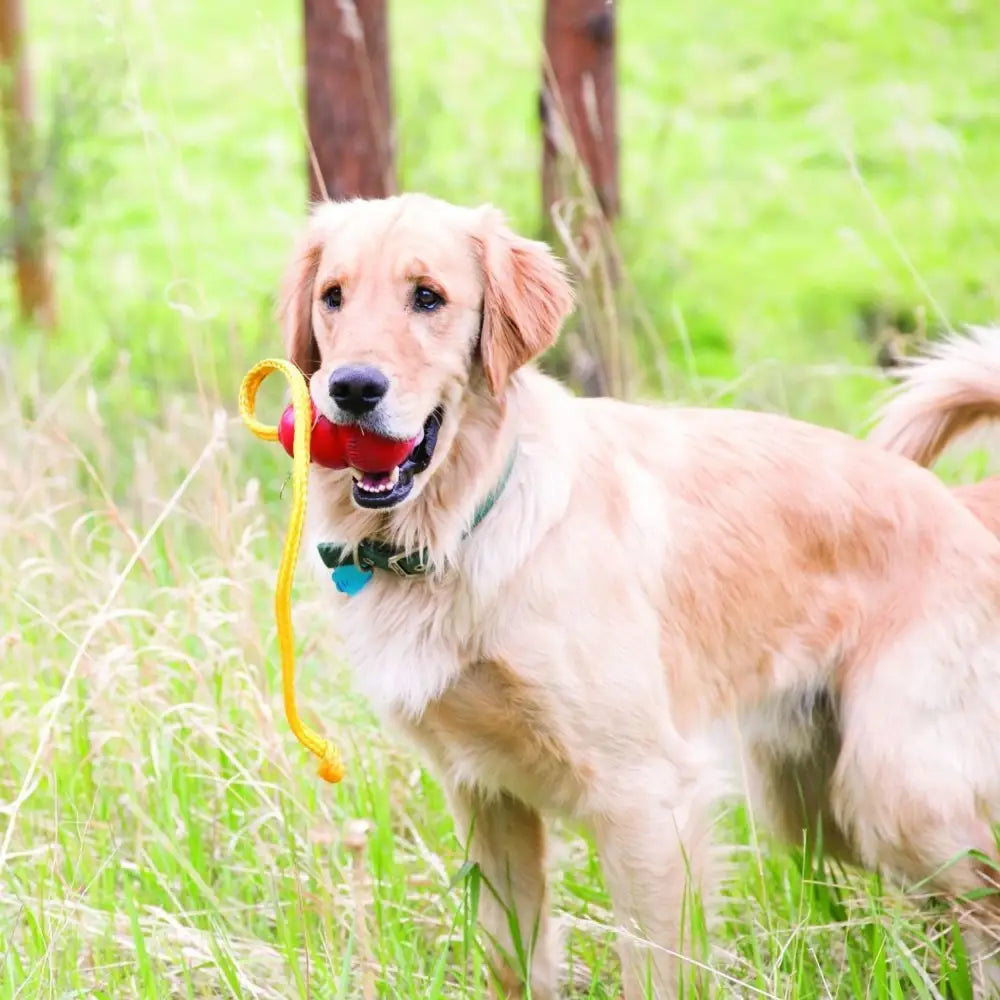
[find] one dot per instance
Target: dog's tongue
(374, 454)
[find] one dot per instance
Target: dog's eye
(426, 299)
(332, 297)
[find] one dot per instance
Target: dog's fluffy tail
(953, 389)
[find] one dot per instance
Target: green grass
(788, 172)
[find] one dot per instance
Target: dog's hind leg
(917, 783)
(933, 843)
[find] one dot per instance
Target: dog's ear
(526, 297)
(296, 301)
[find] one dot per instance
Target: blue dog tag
(350, 580)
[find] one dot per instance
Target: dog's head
(396, 309)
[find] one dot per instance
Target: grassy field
(795, 178)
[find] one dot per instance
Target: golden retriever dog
(618, 613)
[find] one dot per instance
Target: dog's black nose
(357, 389)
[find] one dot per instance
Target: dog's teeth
(394, 476)
(383, 486)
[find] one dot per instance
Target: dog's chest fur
(428, 656)
(405, 640)
(491, 731)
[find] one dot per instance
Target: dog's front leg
(506, 839)
(653, 839)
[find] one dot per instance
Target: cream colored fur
(659, 599)
(954, 389)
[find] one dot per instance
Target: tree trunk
(32, 269)
(348, 101)
(578, 104)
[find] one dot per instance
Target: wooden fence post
(32, 267)
(348, 101)
(578, 104)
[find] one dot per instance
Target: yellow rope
(330, 768)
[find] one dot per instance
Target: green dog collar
(371, 554)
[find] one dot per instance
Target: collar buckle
(408, 563)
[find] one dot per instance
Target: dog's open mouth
(386, 489)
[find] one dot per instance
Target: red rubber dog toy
(336, 446)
